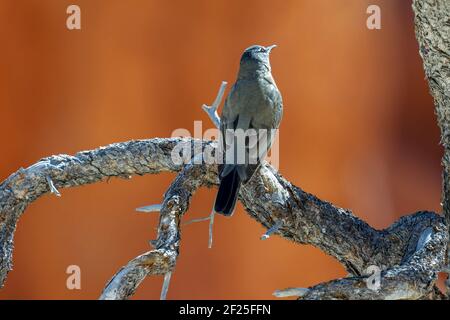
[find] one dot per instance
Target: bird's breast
(252, 94)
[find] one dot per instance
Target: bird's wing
(240, 113)
(266, 128)
(228, 121)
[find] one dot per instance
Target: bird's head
(255, 60)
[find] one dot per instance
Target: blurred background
(359, 130)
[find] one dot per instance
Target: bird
(254, 107)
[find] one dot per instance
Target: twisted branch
(409, 253)
(161, 260)
(432, 21)
(268, 198)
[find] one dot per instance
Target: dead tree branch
(268, 198)
(161, 260)
(410, 253)
(432, 23)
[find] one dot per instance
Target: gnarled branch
(161, 260)
(432, 22)
(409, 253)
(268, 198)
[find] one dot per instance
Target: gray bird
(254, 106)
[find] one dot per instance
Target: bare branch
(165, 287)
(267, 197)
(209, 218)
(409, 280)
(197, 220)
(410, 252)
(150, 208)
(125, 282)
(291, 292)
(117, 160)
(211, 224)
(432, 24)
(161, 260)
(212, 110)
(52, 187)
(271, 230)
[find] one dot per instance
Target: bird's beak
(269, 48)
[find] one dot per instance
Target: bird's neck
(250, 71)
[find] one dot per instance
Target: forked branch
(409, 254)
(268, 198)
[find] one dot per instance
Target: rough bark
(432, 23)
(410, 253)
(268, 198)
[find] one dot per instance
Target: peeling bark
(432, 24)
(268, 198)
(410, 253)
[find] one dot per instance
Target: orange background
(358, 130)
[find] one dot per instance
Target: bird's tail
(228, 193)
